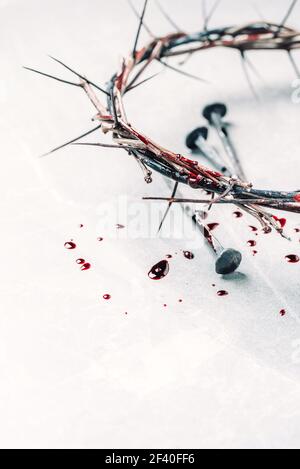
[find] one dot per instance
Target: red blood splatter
(213, 226)
(222, 293)
(81, 226)
(100, 239)
(180, 301)
(189, 255)
(70, 245)
(86, 266)
(281, 221)
(292, 258)
(159, 271)
(252, 243)
(80, 261)
(106, 297)
(254, 253)
(237, 214)
(297, 230)
(253, 228)
(282, 312)
(169, 256)
(297, 197)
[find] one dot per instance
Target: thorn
(294, 64)
(142, 82)
(138, 16)
(258, 12)
(168, 18)
(114, 109)
(169, 206)
(288, 14)
(71, 141)
(103, 145)
(204, 15)
(79, 75)
(139, 29)
(182, 72)
(52, 77)
(248, 78)
(211, 14)
(254, 69)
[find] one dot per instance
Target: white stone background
(77, 372)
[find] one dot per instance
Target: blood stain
(213, 226)
(255, 253)
(189, 255)
(100, 239)
(106, 297)
(281, 221)
(80, 261)
(86, 266)
(237, 214)
(252, 243)
(70, 245)
(292, 258)
(253, 228)
(169, 256)
(222, 293)
(283, 312)
(159, 271)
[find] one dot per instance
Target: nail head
(193, 136)
(228, 262)
(216, 108)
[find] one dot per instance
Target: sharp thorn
(70, 142)
(294, 64)
(211, 13)
(142, 82)
(103, 145)
(138, 16)
(52, 77)
(288, 14)
(258, 12)
(248, 78)
(79, 75)
(139, 28)
(168, 18)
(169, 207)
(182, 72)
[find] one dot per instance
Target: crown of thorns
(151, 156)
